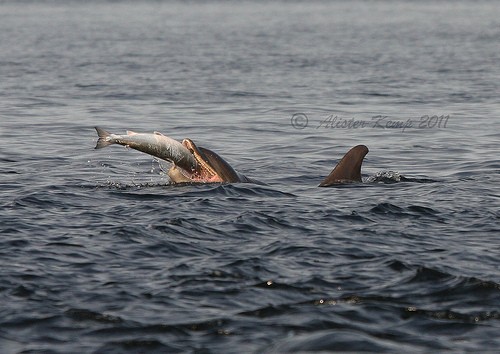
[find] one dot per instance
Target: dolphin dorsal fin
(348, 170)
(158, 133)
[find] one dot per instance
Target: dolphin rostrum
(191, 163)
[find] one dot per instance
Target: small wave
(338, 339)
(87, 315)
(450, 315)
(426, 287)
(138, 346)
(197, 189)
(7, 160)
(412, 211)
(394, 177)
(268, 311)
(384, 177)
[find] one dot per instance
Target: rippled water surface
(101, 254)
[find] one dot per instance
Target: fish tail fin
(103, 140)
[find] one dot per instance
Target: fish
(156, 144)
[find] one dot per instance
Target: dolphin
(195, 164)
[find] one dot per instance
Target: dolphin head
(211, 167)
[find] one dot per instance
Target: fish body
(156, 144)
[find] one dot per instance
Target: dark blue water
(100, 254)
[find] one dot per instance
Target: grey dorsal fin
(348, 170)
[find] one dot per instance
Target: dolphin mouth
(204, 173)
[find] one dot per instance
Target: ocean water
(101, 254)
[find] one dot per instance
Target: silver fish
(156, 144)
